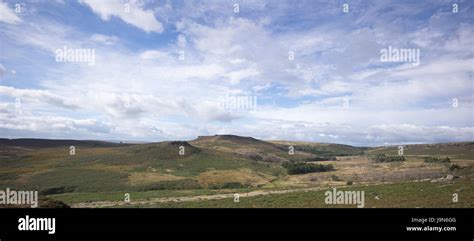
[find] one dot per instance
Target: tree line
(301, 167)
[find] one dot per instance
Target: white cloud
(147, 93)
(462, 40)
(104, 39)
(37, 95)
(182, 41)
(238, 75)
(129, 11)
(8, 15)
(154, 54)
(52, 126)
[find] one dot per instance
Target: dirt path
(102, 204)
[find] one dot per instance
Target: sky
(171, 70)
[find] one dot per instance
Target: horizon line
(266, 140)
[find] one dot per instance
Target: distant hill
(454, 150)
(47, 165)
(231, 142)
(249, 147)
(209, 162)
(325, 149)
(48, 143)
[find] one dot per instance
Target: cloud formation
(7, 15)
(164, 70)
(130, 12)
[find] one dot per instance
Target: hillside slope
(325, 149)
(219, 162)
(457, 150)
(249, 148)
(47, 166)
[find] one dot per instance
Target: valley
(210, 170)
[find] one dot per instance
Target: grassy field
(128, 167)
(398, 195)
(221, 164)
(77, 197)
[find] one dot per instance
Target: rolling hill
(207, 165)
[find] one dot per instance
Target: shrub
(56, 190)
(320, 158)
(335, 178)
(51, 203)
(301, 167)
(43, 202)
(431, 159)
(228, 185)
(349, 182)
(453, 167)
(385, 158)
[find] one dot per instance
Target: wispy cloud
(130, 12)
(7, 14)
(163, 69)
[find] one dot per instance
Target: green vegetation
(101, 171)
(78, 197)
(431, 159)
(397, 195)
(56, 190)
(112, 168)
(329, 150)
(79, 180)
(320, 158)
(459, 150)
(171, 185)
(335, 178)
(228, 185)
(453, 167)
(384, 158)
(43, 202)
(301, 168)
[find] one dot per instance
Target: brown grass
(363, 170)
(244, 176)
(139, 178)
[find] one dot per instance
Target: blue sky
(335, 89)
